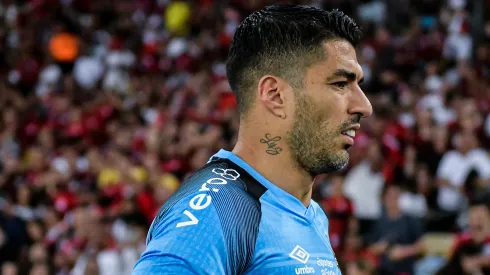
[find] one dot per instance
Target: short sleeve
(445, 166)
(209, 226)
(187, 240)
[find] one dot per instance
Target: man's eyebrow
(351, 76)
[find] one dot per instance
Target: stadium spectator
(340, 211)
(366, 201)
(470, 254)
(395, 237)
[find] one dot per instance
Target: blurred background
(107, 106)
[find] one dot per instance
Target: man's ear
(271, 93)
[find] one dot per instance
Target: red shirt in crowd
(464, 239)
(339, 210)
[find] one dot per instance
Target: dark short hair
(481, 199)
(282, 40)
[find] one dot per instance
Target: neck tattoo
(272, 148)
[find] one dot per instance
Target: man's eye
(340, 84)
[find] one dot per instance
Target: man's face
(391, 197)
(328, 110)
(479, 223)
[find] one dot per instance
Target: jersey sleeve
(185, 241)
(210, 229)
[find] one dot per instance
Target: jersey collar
(286, 200)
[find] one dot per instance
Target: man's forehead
(480, 210)
(338, 46)
(341, 55)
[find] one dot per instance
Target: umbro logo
(300, 254)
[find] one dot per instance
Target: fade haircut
(282, 40)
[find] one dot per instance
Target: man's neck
(337, 193)
(278, 169)
(393, 213)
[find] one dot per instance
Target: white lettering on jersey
(305, 270)
(193, 220)
(229, 174)
(328, 267)
(196, 202)
(202, 200)
(325, 263)
(300, 255)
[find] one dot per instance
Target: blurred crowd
(107, 106)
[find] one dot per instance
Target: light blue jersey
(229, 219)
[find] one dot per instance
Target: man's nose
(360, 104)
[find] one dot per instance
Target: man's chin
(342, 160)
(333, 165)
(347, 147)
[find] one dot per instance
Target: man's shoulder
(221, 191)
(452, 155)
(221, 179)
(212, 221)
(209, 225)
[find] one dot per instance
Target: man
(456, 166)
(367, 201)
(340, 213)
(471, 252)
(396, 237)
(296, 79)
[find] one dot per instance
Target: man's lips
(351, 131)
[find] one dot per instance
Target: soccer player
(249, 211)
